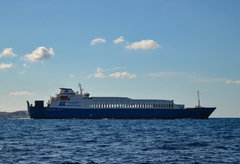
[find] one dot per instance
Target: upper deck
(68, 98)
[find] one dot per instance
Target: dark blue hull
(119, 113)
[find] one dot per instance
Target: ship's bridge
(66, 91)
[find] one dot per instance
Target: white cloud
(72, 76)
(99, 73)
(144, 45)
(122, 75)
(39, 54)
(97, 40)
(21, 73)
(7, 52)
(118, 75)
(25, 65)
(118, 40)
(233, 82)
(21, 93)
(5, 66)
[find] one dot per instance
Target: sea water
(68, 141)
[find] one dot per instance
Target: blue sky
(162, 50)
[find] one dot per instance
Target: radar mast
(81, 90)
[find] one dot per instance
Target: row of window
(163, 106)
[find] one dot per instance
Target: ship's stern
(36, 111)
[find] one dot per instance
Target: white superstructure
(70, 99)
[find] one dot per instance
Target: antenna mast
(81, 90)
(198, 99)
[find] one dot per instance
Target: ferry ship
(70, 104)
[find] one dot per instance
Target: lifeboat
(64, 97)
